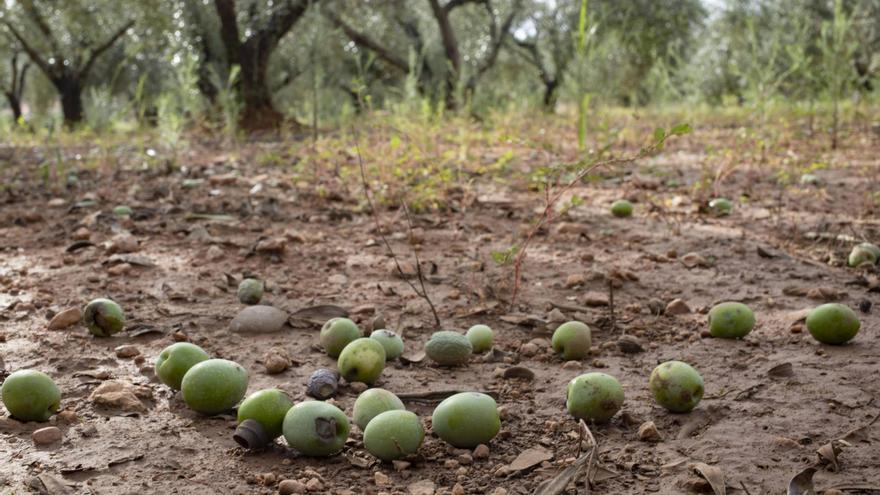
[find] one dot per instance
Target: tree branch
(228, 29)
(18, 89)
(454, 4)
(447, 35)
(496, 40)
(283, 19)
(364, 41)
(34, 13)
(96, 52)
(32, 53)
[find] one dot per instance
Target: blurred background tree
(257, 64)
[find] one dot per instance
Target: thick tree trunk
(70, 91)
(550, 94)
(15, 105)
(258, 112)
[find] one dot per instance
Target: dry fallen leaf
(802, 483)
(712, 474)
(828, 454)
(781, 370)
(530, 458)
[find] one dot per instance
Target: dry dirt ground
(772, 400)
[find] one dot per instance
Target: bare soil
(780, 252)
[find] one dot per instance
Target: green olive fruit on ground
(481, 337)
(594, 396)
(393, 435)
(622, 208)
(861, 254)
(872, 248)
(448, 348)
(338, 333)
(466, 420)
(175, 360)
(373, 402)
(250, 291)
(362, 361)
(316, 428)
(268, 407)
(833, 323)
(731, 320)
(392, 343)
(810, 179)
(122, 211)
(676, 386)
(103, 317)
(30, 395)
(721, 206)
(214, 386)
(572, 340)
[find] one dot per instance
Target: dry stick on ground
(548, 215)
(593, 448)
(423, 293)
(611, 305)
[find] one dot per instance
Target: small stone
(692, 260)
(599, 364)
(291, 487)
(215, 253)
(594, 299)
(337, 279)
(401, 465)
(67, 416)
(503, 412)
(450, 464)
(481, 452)
(457, 489)
(528, 350)
(122, 243)
(45, 436)
(381, 478)
(648, 432)
(422, 487)
(272, 246)
(66, 318)
(127, 351)
(118, 394)
(358, 387)
(465, 459)
(502, 471)
(81, 234)
(120, 269)
(258, 319)
(269, 479)
(500, 491)
(572, 365)
(677, 307)
(796, 328)
(314, 485)
(574, 280)
(277, 361)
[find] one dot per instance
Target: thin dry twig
(423, 293)
(548, 214)
(593, 448)
(611, 305)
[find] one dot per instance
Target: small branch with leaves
(551, 198)
(420, 290)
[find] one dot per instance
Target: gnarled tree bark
(67, 78)
(15, 88)
(252, 56)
